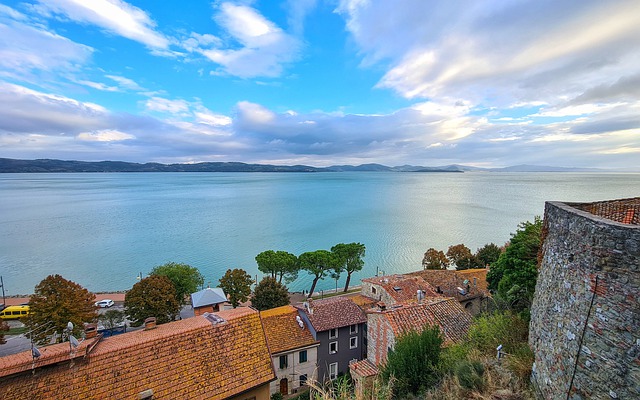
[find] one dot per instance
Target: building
(216, 356)
(208, 300)
(585, 316)
(386, 324)
(397, 289)
(339, 325)
(294, 350)
(468, 286)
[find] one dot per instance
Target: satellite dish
(74, 342)
(70, 326)
(35, 352)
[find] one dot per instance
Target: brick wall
(380, 338)
(585, 318)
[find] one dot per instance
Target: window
(333, 371)
(333, 347)
(353, 342)
(373, 289)
(333, 333)
(302, 357)
(303, 379)
(283, 362)
(353, 329)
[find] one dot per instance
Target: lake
(102, 230)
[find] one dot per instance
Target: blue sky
(482, 83)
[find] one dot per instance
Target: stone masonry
(585, 317)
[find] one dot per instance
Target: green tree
(488, 254)
(349, 259)
(515, 272)
(460, 256)
(56, 302)
(236, 284)
(318, 263)
(4, 327)
(435, 259)
(112, 319)
(185, 278)
(278, 264)
(153, 296)
(269, 293)
(414, 361)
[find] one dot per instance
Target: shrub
(276, 396)
(470, 375)
(506, 329)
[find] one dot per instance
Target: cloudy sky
(321, 82)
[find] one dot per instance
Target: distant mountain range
(8, 165)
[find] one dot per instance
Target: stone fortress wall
(585, 317)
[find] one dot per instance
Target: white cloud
(163, 105)
(258, 46)
(98, 85)
(115, 16)
(27, 49)
(125, 83)
(497, 52)
(105, 135)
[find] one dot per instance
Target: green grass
(339, 293)
(17, 331)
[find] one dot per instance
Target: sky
(486, 83)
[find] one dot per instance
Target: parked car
(106, 303)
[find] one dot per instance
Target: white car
(106, 303)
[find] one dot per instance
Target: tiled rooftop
(192, 358)
(625, 211)
(447, 313)
(364, 368)
(334, 312)
(282, 330)
(450, 280)
(403, 288)
(363, 302)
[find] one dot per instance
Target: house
(208, 300)
(386, 324)
(294, 350)
(397, 289)
(214, 356)
(340, 327)
(468, 286)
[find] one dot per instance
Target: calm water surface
(101, 230)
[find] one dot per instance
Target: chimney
(310, 305)
(150, 323)
(90, 331)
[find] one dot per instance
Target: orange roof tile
(363, 302)
(364, 368)
(450, 280)
(192, 358)
(403, 288)
(447, 313)
(282, 330)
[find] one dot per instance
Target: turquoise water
(101, 230)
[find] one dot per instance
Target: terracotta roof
(447, 313)
(207, 297)
(282, 330)
(334, 312)
(192, 358)
(450, 280)
(403, 288)
(363, 302)
(364, 368)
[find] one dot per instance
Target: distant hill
(8, 165)
(47, 165)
